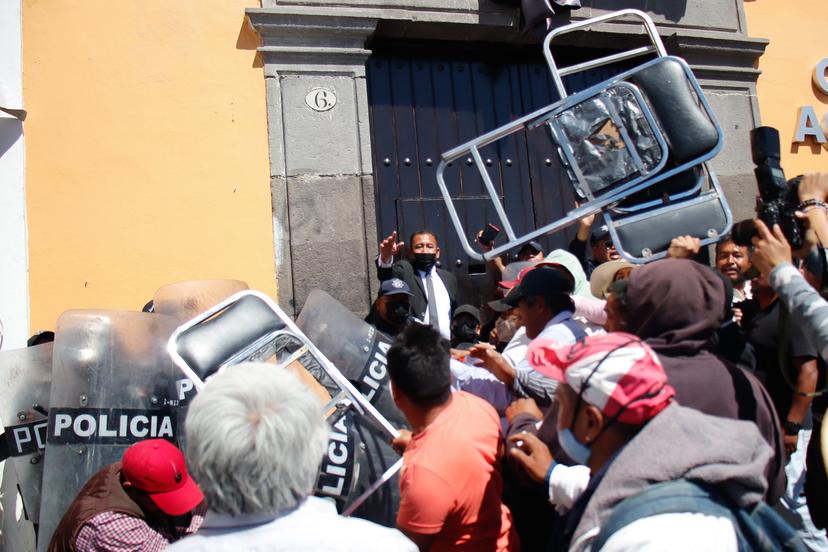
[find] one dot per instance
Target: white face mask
(506, 329)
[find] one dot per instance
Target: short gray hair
(255, 438)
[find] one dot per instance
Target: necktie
(433, 319)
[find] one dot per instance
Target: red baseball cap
(157, 467)
(623, 375)
(525, 267)
(509, 284)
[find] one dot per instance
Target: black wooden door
(423, 106)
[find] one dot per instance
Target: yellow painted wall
(146, 151)
(797, 33)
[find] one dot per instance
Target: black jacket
(403, 270)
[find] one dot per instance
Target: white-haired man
(255, 440)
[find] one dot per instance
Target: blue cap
(531, 245)
(394, 286)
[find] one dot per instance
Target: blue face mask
(578, 452)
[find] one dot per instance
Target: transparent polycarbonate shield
(185, 300)
(358, 350)
(17, 533)
(25, 383)
(113, 385)
(356, 347)
(359, 470)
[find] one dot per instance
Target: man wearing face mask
(506, 326)
(433, 290)
(465, 327)
(618, 417)
(391, 311)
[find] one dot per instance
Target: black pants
(816, 483)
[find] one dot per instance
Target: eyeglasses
(608, 244)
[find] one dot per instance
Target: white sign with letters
(808, 123)
(321, 99)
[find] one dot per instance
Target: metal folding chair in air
(633, 147)
(249, 326)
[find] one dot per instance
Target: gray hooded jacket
(680, 443)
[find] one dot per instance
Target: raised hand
(684, 247)
(813, 186)
(389, 247)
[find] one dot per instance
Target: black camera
(778, 198)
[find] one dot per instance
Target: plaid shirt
(117, 532)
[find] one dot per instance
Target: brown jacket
(102, 493)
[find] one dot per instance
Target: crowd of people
(595, 405)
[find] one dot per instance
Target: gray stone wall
(323, 200)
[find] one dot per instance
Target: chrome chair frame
(348, 395)
(606, 202)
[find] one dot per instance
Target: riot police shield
(112, 385)
(354, 346)
(358, 350)
(249, 326)
(25, 382)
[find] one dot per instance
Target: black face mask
(424, 261)
(464, 333)
(397, 312)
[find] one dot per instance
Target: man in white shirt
(434, 290)
(733, 261)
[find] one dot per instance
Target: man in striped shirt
(543, 301)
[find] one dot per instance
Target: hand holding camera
(778, 198)
(772, 247)
(486, 237)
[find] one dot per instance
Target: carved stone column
(320, 154)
